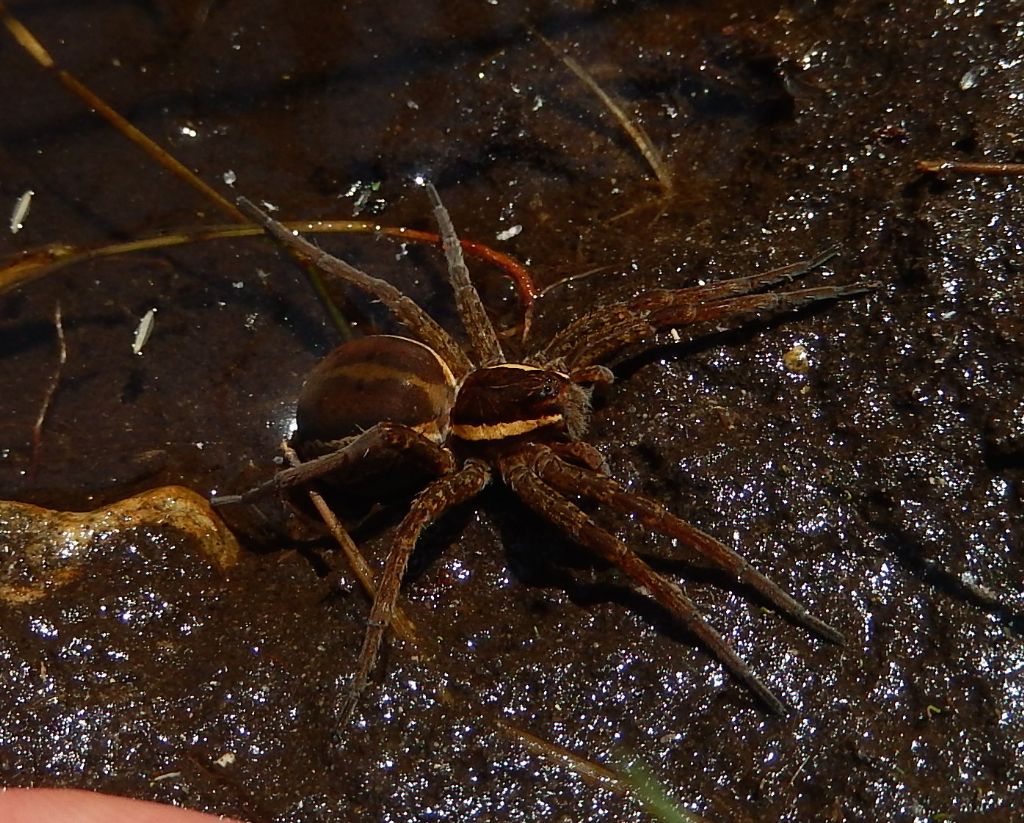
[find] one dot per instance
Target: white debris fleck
(143, 331)
(230, 178)
(971, 77)
(165, 776)
(21, 207)
(510, 232)
(225, 759)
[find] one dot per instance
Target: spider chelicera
(455, 420)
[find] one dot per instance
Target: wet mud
(867, 454)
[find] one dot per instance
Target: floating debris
(143, 331)
(21, 207)
(510, 232)
(796, 360)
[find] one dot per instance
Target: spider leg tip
(347, 709)
(836, 636)
(776, 706)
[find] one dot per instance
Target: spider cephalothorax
(496, 404)
(458, 418)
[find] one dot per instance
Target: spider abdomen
(374, 379)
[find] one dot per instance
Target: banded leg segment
(482, 336)
(402, 308)
(593, 322)
(437, 498)
(568, 478)
(625, 326)
(520, 473)
(382, 436)
(745, 284)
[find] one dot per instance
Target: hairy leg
(565, 478)
(592, 323)
(441, 495)
(519, 473)
(402, 308)
(626, 327)
(582, 454)
(482, 336)
(382, 436)
(735, 286)
(633, 321)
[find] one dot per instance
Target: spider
(422, 407)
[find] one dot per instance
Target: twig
(28, 266)
(62, 357)
(401, 624)
(528, 315)
(799, 769)
(38, 52)
(592, 772)
(957, 167)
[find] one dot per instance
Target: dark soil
(883, 486)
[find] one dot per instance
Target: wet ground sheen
(882, 486)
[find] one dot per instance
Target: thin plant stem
(633, 129)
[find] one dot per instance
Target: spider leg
(402, 308)
(437, 498)
(567, 478)
(482, 336)
(519, 471)
(735, 286)
(581, 453)
(640, 319)
(382, 436)
(593, 376)
(594, 321)
(631, 320)
(751, 305)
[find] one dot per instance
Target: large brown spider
(407, 406)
